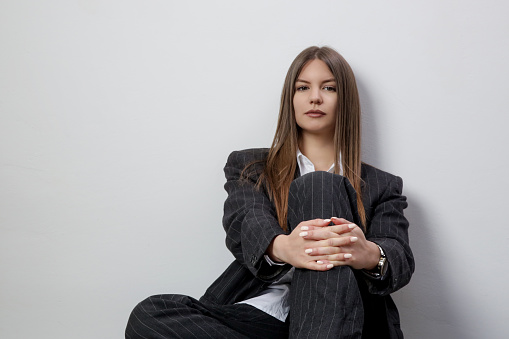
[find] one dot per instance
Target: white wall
(116, 118)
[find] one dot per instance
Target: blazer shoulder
(244, 157)
(374, 176)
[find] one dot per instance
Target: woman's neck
(319, 150)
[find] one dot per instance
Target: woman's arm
(250, 219)
(388, 228)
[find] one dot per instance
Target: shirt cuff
(272, 262)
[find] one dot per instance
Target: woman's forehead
(314, 70)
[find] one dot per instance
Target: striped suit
(340, 303)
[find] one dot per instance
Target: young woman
(319, 238)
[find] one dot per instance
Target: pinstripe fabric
(324, 304)
(179, 316)
(357, 299)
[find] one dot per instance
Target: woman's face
(315, 100)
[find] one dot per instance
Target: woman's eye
(302, 88)
(330, 88)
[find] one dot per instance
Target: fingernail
(354, 239)
(309, 250)
(334, 218)
(347, 256)
(329, 266)
(303, 234)
(352, 226)
(327, 221)
(319, 262)
(304, 228)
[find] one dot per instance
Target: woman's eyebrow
(307, 82)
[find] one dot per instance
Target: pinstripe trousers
(179, 316)
(322, 304)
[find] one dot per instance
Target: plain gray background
(116, 118)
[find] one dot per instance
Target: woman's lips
(314, 113)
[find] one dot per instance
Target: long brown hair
(281, 162)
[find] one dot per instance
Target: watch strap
(381, 267)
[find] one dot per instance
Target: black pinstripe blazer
(250, 223)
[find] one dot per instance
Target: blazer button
(253, 259)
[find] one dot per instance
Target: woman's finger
(323, 250)
(322, 233)
(331, 246)
(318, 233)
(343, 257)
(333, 262)
(340, 221)
(323, 265)
(342, 228)
(341, 241)
(315, 222)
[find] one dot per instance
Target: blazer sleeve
(388, 227)
(250, 219)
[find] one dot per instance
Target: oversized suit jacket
(251, 224)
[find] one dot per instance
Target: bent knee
(320, 175)
(143, 314)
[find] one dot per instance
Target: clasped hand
(316, 245)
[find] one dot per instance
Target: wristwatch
(381, 267)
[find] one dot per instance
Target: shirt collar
(306, 166)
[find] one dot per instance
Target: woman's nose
(315, 97)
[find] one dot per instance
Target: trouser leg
(324, 304)
(179, 316)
